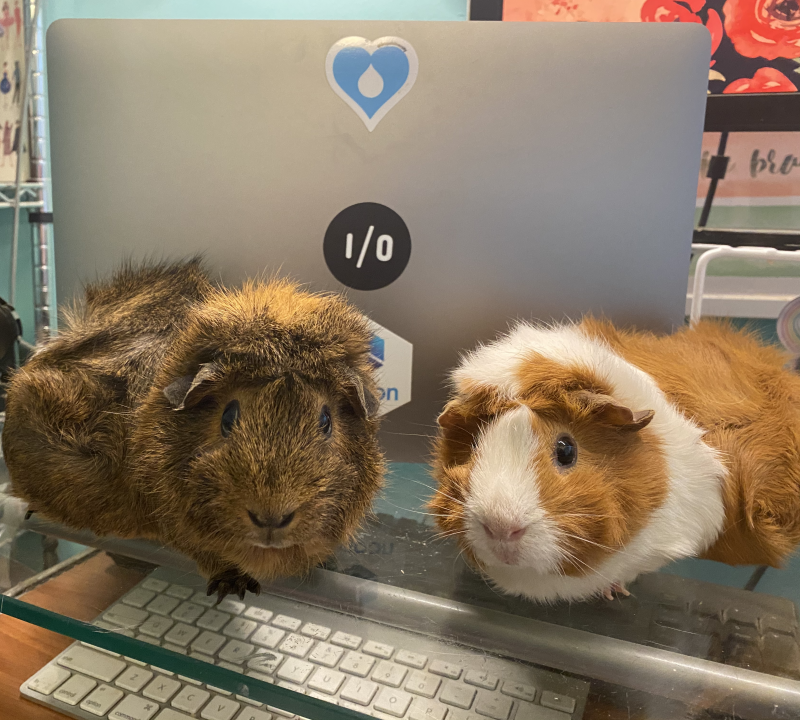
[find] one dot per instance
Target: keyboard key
(414, 660)
(161, 689)
(528, 711)
(268, 637)
(327, 681)
(75, 689)
(181, 635)
(359, 691)
(557, 702)
(189, 680)
(234, 607)
(458, 695)
(325, 654)
(782, 655)
(163, 605)
(91, 663)
(220, 709)
(316, 631)
(778, 624)
(138, 597)
(438, 667)
(133, 707)
(265, 662)
(493, 706)
(357, 664)
(174, 648)
(187, 612)
(202, 656)
(155, 585)
(190, 699)
(519, 690)
(236, 651)
(426, 710)
(48, 679)
(251, 714)
(296, 671)
(213, 620)
(101, 700)
(394, 702)
(134, 679)
(287, 623)
(378, 649)
(346, 640)
(208, 601)
(323, 696)
(297, 645)
(180, 591)
(125, 616)
(240, 628)
(170, 714)
(208, 643)
(156, 626)
(388, 673)
(423, 684)
(454, 714)
(482, 679)
(259, 614)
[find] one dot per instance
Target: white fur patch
(504, 494)
(692, 514)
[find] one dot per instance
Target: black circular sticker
(367, 246)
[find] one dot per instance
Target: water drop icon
(371, 76)
(370, 84)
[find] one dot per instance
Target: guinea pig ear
(181, 392)
(607, 410)
(362, 399)
(451, 419)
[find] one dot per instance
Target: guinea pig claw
(616, 588)
(232, 582)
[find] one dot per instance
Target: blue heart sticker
(371, 77)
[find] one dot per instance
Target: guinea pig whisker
(573, 558)
(437, 490)
(591, 542)
(418, 512)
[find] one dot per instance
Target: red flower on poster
(765, 80)
(672, 11)
(764, 28)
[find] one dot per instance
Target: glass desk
(676, 648)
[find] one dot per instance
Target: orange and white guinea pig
(573, 458)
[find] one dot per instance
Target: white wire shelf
(29, 195)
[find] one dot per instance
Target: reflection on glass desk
(676, 648)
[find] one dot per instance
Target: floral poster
(755, 48)
(12, 62)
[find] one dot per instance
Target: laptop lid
(450, 177)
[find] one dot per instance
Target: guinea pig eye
(566, 452)
(325, 423)
(229, 417)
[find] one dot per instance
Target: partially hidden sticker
(371, 76)
(392, 357)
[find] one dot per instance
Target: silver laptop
(450, 177)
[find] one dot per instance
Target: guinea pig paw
(616, 588)
(232, 582)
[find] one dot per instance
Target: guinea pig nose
(506, 533)
(274, 522)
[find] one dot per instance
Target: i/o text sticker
(371, 76)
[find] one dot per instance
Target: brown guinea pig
(237, 426)
(573, 458)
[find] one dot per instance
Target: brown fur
(742, 394)
(737, 390)
(618, 482)
(92, 441)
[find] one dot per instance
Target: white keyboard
(381, 671)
